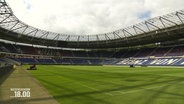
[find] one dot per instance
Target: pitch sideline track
(20, 78)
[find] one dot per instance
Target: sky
(85, 17)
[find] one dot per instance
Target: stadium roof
(162, 25)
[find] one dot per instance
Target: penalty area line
(95, 89)
(138, 90)
(121, 92)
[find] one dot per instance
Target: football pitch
(112, 84)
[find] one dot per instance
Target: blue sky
(144, 15)
(28, 5)
(89, 16)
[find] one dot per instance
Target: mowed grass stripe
(95, 84)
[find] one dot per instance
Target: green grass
(112, 85)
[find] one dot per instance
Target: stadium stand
(176, 51)
(26, 60)
(154, 62)
(28, 50)
(145, 56)
(157, 41)
(45, 61)
(144, 52)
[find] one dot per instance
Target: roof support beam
(97, 37)
(13, 26)
(9, 22)
(67, 39)
(24, 29)
(32, 32)
(177, 14)
(34, 35)
(135, 29)
(45, 34)
(18, 28)
(146, 22)
(78, 38)
(116, 34)
(5, 18)
(106, 37)
(125, 31)
(56, 37)
(162, 18)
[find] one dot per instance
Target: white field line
(167, 66)
(148, 66)
(134, 91)
(95, 89)
(121, 92)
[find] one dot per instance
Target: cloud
(144, 15)
(89, 16)
(27, 4)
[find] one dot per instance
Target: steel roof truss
(134, 26)
(5, 19)
(162, 18)
(24, 29)
(6, 8)
(78, 38)
(45, 34)
(181, 13)
(32, 32)
(56, 37)
(68, 38)
(13, 26)
(116, 34)
(97, 37)
(106, 37)
(34, 35)
(8, 22)
(18, 28)
(177, 14)
(146, 22)
(125, 31)
(88, 38)
(162, 22)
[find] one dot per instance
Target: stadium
(140, 64)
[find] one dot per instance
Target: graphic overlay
(21, 92)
